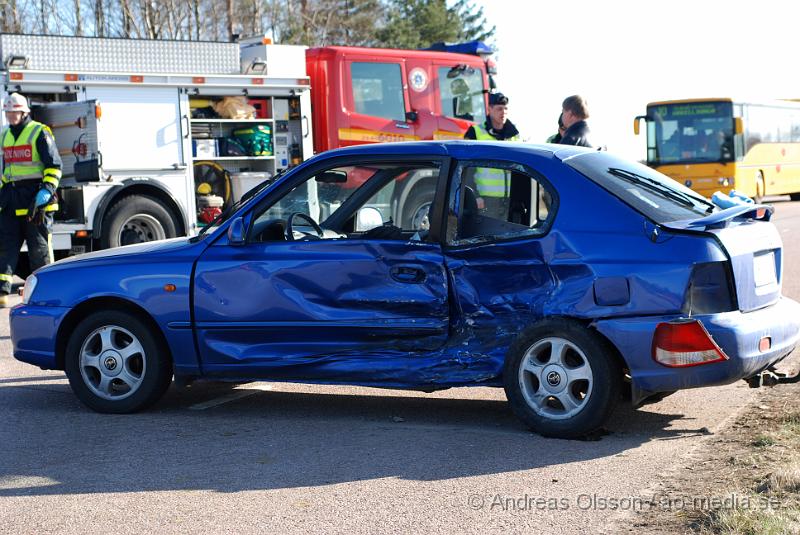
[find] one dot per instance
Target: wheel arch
(143, 186)
(74, 317)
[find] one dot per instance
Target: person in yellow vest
(492, 184)
(31, 171)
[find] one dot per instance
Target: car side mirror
(236, 232)
(368, 218)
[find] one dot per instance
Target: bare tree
(10, 21)
(99, 19)
(196, 10)
(78, 18)
(229, 13)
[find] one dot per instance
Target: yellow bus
(722, 144)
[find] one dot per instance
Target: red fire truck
(144, 157)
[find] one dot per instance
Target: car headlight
(30, 286)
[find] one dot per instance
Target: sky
(621, 54)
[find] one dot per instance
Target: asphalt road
(267, 457)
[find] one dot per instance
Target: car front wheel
(561, 379)
(115, 364)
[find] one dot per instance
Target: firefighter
(31, 171)
(492, 184)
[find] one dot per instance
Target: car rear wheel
(115, 364)
(561, 379)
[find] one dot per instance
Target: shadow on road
(52, 445)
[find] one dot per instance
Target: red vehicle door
(462, 101)
(376, 100)
(422, 91)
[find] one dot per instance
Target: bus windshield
(693, 132)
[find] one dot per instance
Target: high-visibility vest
(21, 161)
(490, 182)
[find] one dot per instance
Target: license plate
(764, 269)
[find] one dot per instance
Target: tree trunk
(43, 16)
(125, 8)
(99, 19)
(78, 18)
(196, 19)
(230, 20)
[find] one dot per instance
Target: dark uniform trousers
(16, 229)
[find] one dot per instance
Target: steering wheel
(311, 223)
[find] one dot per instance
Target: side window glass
(380, 201)
(496, 203)
(378, 90)
(461, 91)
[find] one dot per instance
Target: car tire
(795, 196)
(137, 219)
(115, 364)
(580, 379)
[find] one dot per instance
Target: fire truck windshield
(461, 91)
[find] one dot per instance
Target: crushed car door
(354, 305)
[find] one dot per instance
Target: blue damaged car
(564, 275)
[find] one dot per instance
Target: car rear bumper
(738, 334)
(33, 334)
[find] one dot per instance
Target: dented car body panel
(435, 305)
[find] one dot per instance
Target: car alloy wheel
(112, 362)
(562, 378)
(555, 378)
(116, 361)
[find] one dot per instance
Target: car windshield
(657, 196)
(231, 209)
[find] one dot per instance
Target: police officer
(491, 184)
(31, 171)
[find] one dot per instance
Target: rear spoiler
(720, 219)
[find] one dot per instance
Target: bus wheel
(794, 196)
(760, 188)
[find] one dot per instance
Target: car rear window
(656, 196)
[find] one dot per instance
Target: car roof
(459, 149)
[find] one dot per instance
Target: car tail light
(710, 289)
(685, 343)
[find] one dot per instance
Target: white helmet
(16, 102)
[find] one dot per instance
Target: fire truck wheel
(137, 219)
(416, 207)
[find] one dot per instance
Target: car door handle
(409, 274)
